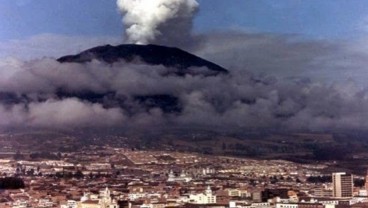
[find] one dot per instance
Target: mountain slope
(176, 62)
(175, 58)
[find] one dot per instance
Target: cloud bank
(30, 97)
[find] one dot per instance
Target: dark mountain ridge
(170, 57)
(176, 61)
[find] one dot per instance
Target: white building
(20, 204)
(286, 205)
(45, 203)
(342, 184)
(70, 204)
(243, 204)
(88, 200)
(182, 178)
(203, 198)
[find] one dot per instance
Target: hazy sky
(20, 19)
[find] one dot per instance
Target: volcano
(174, 61)
(178, 61)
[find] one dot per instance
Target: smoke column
(157, 21)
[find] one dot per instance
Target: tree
(335, 152)
(359, 182)
(59, 174)
(11, 183)
(30, 172)
(319, 179)
(18, 156)
(79, 174)
(224, 146)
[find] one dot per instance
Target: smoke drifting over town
(160, 21)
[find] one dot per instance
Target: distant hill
(176, 62)
(180, 61)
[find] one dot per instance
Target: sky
(294, 64)
(21, 19)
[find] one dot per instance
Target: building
(70, 204)
(323, 191)
(89, 200)
(281, 193)
(286, 205)
(203, 198)
(182, 178)
(366, 181)
(342, 184)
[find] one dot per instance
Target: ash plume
(163, 22)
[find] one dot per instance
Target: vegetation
(331, 153)
(11, 183)
(319, 179)
(45, 155)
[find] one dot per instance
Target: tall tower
(342, 184)
(208, 191)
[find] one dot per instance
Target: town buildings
(124, 178)
(342, 184)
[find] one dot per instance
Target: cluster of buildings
(125, 178)
(89, 200)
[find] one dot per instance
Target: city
(118, 177)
